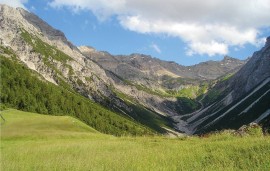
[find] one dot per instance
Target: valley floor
(40, 142)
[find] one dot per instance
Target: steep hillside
(23, 89)
(239, 100)
(46, 51)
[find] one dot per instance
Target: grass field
(40, 142)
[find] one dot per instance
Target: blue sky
(187, 33)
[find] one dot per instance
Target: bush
(254, 130)
(2, 107)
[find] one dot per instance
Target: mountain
(153, 72)
(34, 44)
(107, 91)
(242, 99)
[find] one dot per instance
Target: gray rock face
(43, 27)
(255, 71)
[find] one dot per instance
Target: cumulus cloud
(14, 3)
(155, 47)
(207, 27)
(103, 9)
(208, 39)
(211, 48)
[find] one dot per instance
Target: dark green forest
(22, 89)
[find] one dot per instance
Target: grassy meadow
(32, 141)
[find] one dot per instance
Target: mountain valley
(135, 94)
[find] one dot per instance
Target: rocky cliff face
(254, 72)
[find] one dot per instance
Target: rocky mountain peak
(34, 24)
(44, 28)
(226, 58)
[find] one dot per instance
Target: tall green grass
(38, 142)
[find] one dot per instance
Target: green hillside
(22, 89)
(40, 142)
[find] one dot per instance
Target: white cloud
(14, 3)
(211, 48)
(208, 27)
(201, 39)
(155, 47)
(101, 8)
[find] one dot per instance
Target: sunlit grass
(40, 142)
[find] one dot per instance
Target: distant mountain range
(148, 92)
(145, 69)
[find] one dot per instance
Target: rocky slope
(242, 99)
(31, 38)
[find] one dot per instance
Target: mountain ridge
(137, 60)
